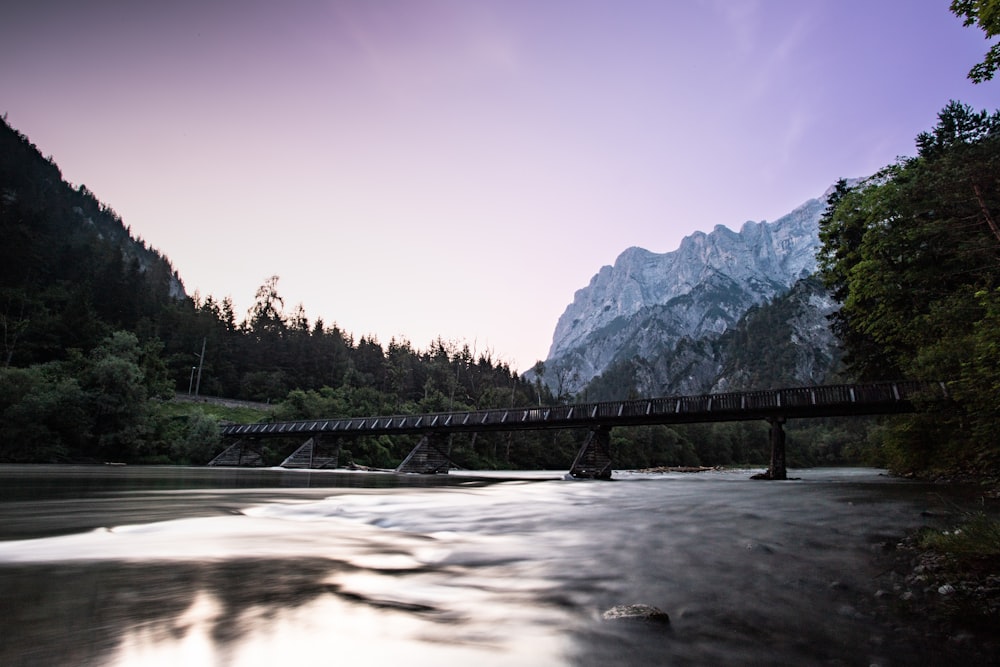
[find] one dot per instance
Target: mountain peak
(706, 285)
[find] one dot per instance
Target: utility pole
(201, 362)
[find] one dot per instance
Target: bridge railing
(833, 394)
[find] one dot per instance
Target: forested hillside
(70, 271)
(98, 332)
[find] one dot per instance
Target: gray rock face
(785, 342)
(647, 302)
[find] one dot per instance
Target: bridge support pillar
(426, 458)
(241, 454)
(593, 461)
(777, 468)
(314, 453)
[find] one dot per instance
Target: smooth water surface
(186, 566)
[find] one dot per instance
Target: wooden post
(777, 469)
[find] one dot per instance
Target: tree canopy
(986, 15)
(913, 255)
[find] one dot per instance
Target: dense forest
(913, 255)
(99, 336)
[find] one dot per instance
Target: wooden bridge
(321, 447)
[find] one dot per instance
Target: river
(197, 566)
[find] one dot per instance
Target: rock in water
(636, 612)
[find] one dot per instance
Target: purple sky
(416, 168)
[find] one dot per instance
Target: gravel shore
(947, 605)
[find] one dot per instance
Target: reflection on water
(147, 566)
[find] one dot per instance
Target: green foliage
(984, 14)
(652, 446)
(980, 389)
(118, 394)
(978, 536)
(267, 316)
(89, 407)
(914, 256)
(185, 438)
(44, 414)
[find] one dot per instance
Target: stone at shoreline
(948, 603)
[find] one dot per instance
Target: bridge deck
(798, 402)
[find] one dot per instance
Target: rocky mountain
(785, 342)
(659, 313)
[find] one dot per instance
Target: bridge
(593, 461)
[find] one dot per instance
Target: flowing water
(185, 566)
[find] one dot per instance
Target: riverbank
(942, 585)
